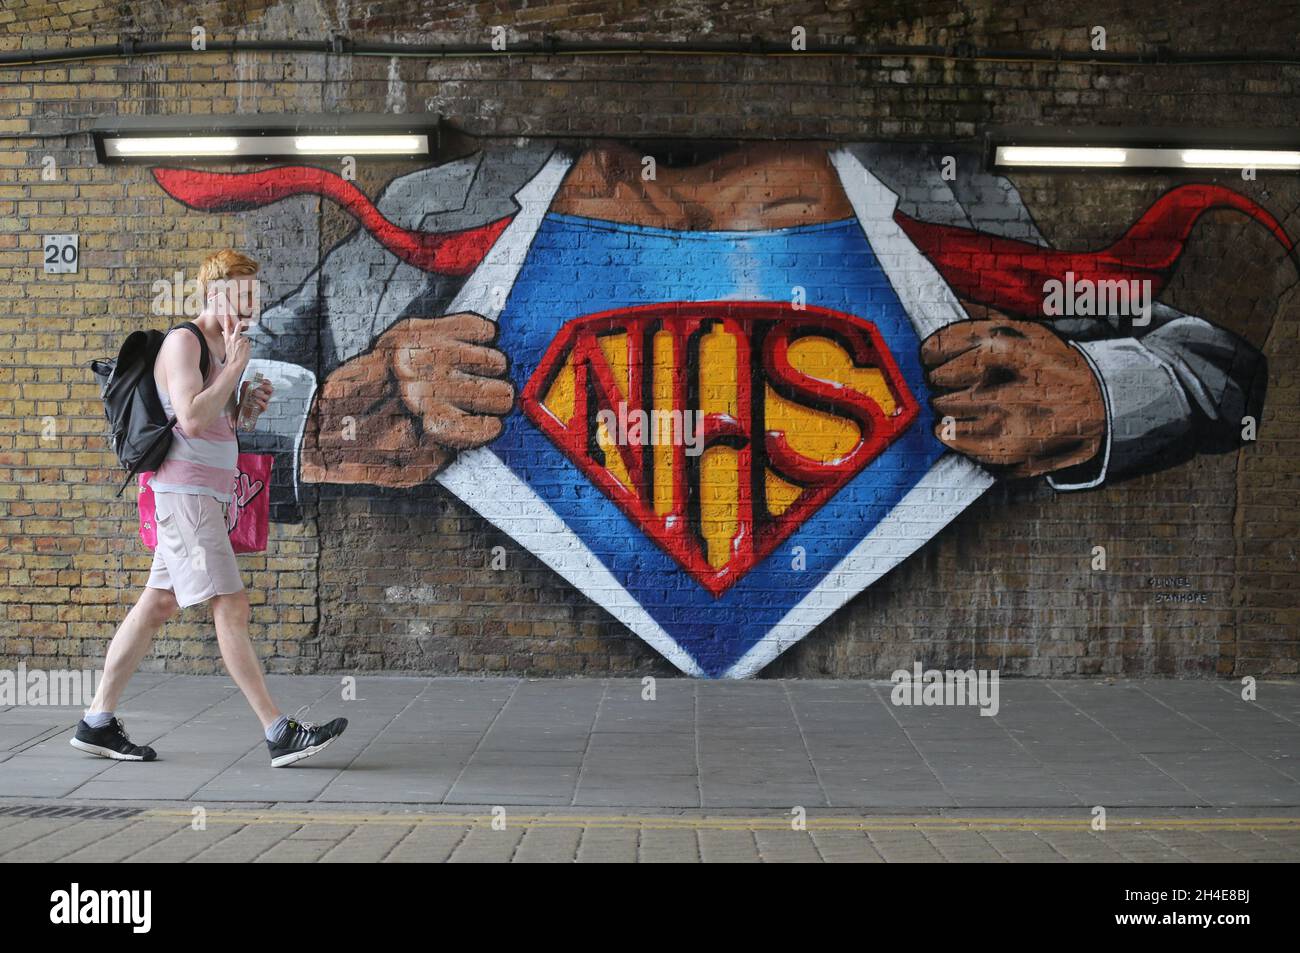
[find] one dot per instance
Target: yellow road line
(722, 823)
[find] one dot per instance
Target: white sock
(276, 728)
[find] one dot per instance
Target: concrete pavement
(469, 769)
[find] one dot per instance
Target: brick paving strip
(299, 834)
(727, 823)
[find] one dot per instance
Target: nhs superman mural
(724, 400)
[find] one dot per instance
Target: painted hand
(1013, 396)
(398, 414)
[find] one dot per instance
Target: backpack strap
(203, 346)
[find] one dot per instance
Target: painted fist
(398, 414)
(1013, 396)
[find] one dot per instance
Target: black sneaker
(302, 739)
(110, 741)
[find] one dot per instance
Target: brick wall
(367, 578)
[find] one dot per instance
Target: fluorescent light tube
(361, 144)
(255, 145)
(1239, 159)
(1061, 155)
(173, 146)
(1144, 157)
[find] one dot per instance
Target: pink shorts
(194, 558)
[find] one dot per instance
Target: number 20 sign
(60, 253)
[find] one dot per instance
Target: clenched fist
(1018, 398)
(398, 414)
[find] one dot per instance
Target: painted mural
(724, 394)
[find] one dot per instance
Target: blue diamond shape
(577, 266)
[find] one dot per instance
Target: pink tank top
(203, 463)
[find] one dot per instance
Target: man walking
(194, 561)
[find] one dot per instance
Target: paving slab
(687, 743)
(771, 749)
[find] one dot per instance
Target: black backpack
(139, 431)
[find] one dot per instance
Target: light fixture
(1047, 148)
(260, 137)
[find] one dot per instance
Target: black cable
(552, 46)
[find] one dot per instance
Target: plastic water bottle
(247, 417)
